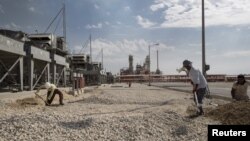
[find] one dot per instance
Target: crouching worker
(239, 89)
(52, 90)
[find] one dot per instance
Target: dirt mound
(191, 110)
(30, 101)
(232, 113)
(25, 102)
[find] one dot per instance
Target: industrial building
(28, 60)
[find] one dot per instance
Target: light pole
(155, 44)
(204, 66)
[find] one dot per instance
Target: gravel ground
(116, 112)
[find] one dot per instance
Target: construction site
(136, 104)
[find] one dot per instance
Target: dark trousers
(56, 91)
(200, 95)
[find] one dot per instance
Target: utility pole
(102, 60)
(64, 25)
(157, 70)
(149, 75)
(149, 84)
(203, 40)
(157, 61)
(101, 69)
(90, 49)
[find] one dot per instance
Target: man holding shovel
(199, 84)
(52, 90)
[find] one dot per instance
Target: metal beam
(40, 76)
(60, 60)
(31, 73)
(21, 73)
(59, 76)
(40, 54)
(1, 62)
(10, 70)
(12, 46)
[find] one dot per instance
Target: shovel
(196, 101)
(193, 108)
(41, 99)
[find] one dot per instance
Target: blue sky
(123, 27)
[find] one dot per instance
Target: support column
(73, 79)
(31, 73)
(21, 73)
(48, 72)
(64, 76)
(53, 69)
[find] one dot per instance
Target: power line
(85, 44)
(53, 20)
(58, 22)
(98, 55)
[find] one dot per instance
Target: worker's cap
(187, 63)
(47, 85)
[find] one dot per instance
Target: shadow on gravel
(130, 110)
(116, 112)
(77, 124)
(28, 119)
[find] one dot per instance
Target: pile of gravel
(166, 125)
(113, 115)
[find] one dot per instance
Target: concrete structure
(90, 70)
(11, 57)
(30, 60)
(57, 52)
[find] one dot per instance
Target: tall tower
(130, 60)
(158, 70)
(147, 61)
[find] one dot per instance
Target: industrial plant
(27, 61)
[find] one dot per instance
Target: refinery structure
(29, 60)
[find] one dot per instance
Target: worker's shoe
(200, 112)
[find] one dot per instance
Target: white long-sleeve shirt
(197, 78)
(51, 89)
